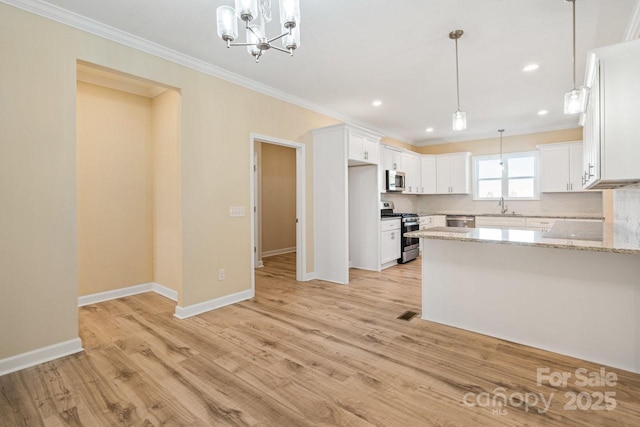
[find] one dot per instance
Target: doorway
(258, 198)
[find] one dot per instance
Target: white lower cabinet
(540, 224)
(430, 221)
(439, 221)
(511, 223)
(390, 239)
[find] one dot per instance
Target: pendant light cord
(501, 130)
(458, 76)
(574, 44)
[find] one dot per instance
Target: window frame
(505, 175)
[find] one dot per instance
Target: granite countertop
(563, 235)
(518, 215)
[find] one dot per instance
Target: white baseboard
(164, 291)
(310, 276)
(388, 264)
(115, 294)
(41, 355)
(195, 309)
(260, 264)
(278, 252)
(126, 292)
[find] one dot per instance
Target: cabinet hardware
(393, 236)
(366, 155)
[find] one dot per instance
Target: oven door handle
(408, 224)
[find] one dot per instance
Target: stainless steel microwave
(395, 181)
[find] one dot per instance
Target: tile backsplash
(582, 203)
(553, 203)
(626, 207)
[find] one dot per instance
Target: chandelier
(259, 11)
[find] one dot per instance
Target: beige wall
(115, 204)
(510, 143)
(38, 186)
(167, 226)
(278, 193)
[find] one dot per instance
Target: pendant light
(459, 118)
(575, 100)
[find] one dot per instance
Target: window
(516, 179)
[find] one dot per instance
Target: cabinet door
(356, 147)
(411, 164)
(575, 167)
(390, 246)
(439, 221)
(428, 175)
(443, 174)
(460, 164)
(591, 133)
(392, 159)
(554, 169)
(371, 151)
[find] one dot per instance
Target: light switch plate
(236, 211)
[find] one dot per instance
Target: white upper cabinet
(411, 164)
(453, 173)
(612, 128)
(393, 159)
(575, 167)
(561, 167)
(443, 174)
(428, 174)
(362, 149)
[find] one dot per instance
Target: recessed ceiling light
(429, 130)
(531, 67)
(543, 112)
(376, 103)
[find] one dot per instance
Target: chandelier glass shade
(256, 14)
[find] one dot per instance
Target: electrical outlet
(236, 211)
(221, 274)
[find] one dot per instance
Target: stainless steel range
(409, 246)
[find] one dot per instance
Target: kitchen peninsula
(574, 290)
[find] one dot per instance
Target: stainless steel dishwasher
(463, 221)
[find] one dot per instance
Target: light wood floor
(298, 354)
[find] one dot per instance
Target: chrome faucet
(503, 205)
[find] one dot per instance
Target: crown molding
(491, 135)
(633, 27)
(94, 27)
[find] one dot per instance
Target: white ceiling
(355, 51)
